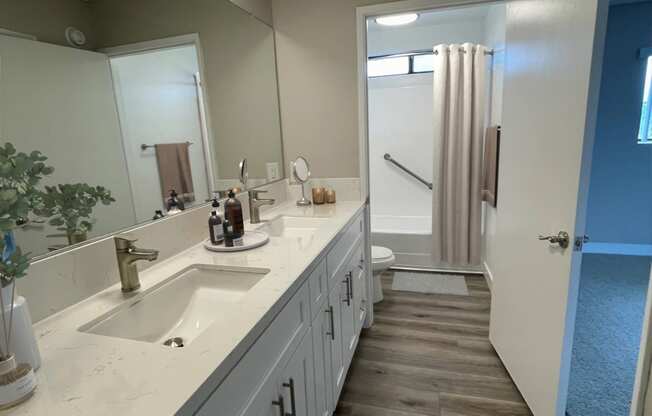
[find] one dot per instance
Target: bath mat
(443, 284)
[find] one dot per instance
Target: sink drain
(176, 342)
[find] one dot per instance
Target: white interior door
(549, 101)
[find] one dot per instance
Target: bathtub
(410, 238)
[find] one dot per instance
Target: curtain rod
(419, 52)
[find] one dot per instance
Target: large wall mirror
(133, 101)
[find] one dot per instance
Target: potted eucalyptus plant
(70, 208)
(20, 173)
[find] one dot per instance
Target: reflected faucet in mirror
(128, 254)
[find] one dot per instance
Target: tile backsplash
(61, 280)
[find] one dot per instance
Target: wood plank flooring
(429, 355)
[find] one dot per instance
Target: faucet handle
(124, 241)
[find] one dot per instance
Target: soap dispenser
(233, 213)
(215, 229)
(173, 207)
(174, 200)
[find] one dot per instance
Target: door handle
(281, 406)
(329, 311)
(293, 405)
(562, 239)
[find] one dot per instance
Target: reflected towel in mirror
(174, 170)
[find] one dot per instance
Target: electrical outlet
(272, 171)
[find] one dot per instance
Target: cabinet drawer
(318, 288)
(249, 376)
(338, 254)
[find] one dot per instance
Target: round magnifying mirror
(301, 172)
(301, 169)
(244, 173)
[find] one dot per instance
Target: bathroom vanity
(273, 329)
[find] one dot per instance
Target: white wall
(75, 125)
(400, 123)
(262, 9)
(495, 39)
(157, 101)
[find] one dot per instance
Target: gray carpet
(610, 314)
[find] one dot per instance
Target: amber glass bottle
(233, 213)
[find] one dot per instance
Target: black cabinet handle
(348, 288)
(293, 405)
(351, 284)
(329, 311)
(281, 405)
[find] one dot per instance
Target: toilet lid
(380, 253)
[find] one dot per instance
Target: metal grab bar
(389, 158)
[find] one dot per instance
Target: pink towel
(174, 170)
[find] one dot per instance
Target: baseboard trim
(489, 277)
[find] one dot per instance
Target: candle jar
(318, 195)
(330, 196)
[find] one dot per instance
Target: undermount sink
(177, 310)
(289, 226)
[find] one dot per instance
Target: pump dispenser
(233, 213)
(215, 229)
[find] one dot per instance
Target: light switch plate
(272, 171)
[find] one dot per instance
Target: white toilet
(382, 259)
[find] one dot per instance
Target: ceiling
(435, 17)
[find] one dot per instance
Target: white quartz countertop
(87, 374)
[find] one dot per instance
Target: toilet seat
(382, 258)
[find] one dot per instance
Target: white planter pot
(23, 342)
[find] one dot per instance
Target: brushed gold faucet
(128, 254)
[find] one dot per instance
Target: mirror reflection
(142, 109)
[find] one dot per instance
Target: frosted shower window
(423, 63)
(380, 67)
(645, 128)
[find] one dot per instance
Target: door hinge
(579, 242)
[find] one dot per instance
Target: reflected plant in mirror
(20, 174)
(70, 208)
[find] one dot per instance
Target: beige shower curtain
(459, 108)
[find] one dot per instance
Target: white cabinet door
(297, 381)
(322, 337)
(336, 351)
(349, 315)
(359, 288)
(268, 402)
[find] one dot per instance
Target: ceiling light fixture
(397, 19)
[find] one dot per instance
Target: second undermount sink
(177, 310)
(292, 226)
